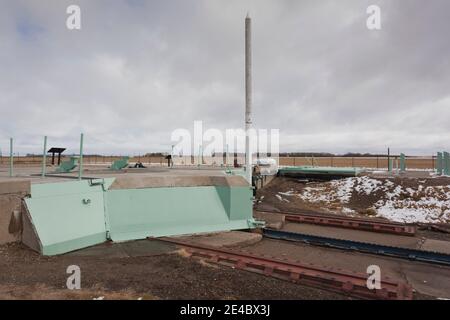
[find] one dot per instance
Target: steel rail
(348, 222)
(351, 283)
(397, 252)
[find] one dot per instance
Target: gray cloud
(140, 69)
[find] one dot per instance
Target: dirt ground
(266, 199)
(360, 203)
(26, 275)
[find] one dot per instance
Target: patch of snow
(347, 210)
(420, 213)
(344, 190)
(289, 193)
(366, 184)
(432, 206)
(419, 204)
(281, 198)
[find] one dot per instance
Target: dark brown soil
(26, 275)
(282, 184)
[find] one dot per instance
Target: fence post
(389, 164)
(389, 160)
(44, 157)
(80, 159)
(402, 162)
(446, 163)
(439, 163)
(226, 156)
(11, 158)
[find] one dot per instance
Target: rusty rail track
(372, 248)
(348, 223)
(351, 283)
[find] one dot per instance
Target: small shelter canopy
(55, 150)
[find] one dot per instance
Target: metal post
(439, 163)
(446, 166)
(226, 155)
(171, 157)
(396, 165)
(402, 162)
(11, 158)
(248, 97)
(389, 161)
(80, 159)
(44, 159)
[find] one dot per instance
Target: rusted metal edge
(351, 283)
(372, 248)
(349, 223)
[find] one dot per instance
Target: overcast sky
(137, 70)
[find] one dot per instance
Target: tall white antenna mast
(248, 97)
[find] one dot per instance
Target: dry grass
(365, 162)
